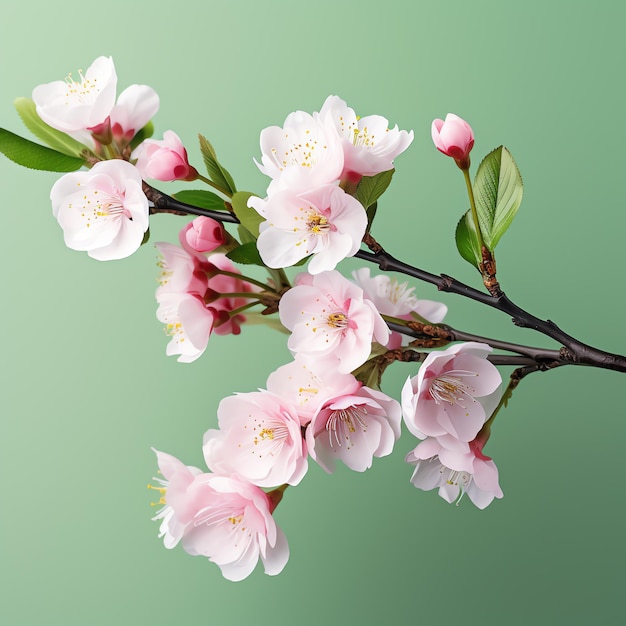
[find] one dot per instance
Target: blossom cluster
(311, 160)
(324, 406)
(103, 211)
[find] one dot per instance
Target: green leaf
(201, 198)
(245, 235)
(372, 187)
(246, 254)
(467, 241)
(145, 133)
(498, 191)
(248, 217)
(56, 139)
(35, 156)
(371, 214)
(217, 173)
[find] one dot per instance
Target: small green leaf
(35, 156)
(247, 254)
(372, 187)
(217, 173)
(245, 235)
(498, 191)
(201, 198)
(145, 133)
(371, 214)
(467, 240)
(56, 139)
(248, 217)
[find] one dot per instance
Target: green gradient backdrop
(87, 389)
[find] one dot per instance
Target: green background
(87, 388)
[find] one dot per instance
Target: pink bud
(164, 160)
(202, 235)
(454, 137)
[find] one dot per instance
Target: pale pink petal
(135, 107)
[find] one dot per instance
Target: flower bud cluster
(195, 290)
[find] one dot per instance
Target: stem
(470, 194)
(246, 279)
(209, 182)
(445, 333)
(280, 278)
(537, 354)
(248, 295)
(243, 308)
(163, 203)
(408, 355)
(275, 496)
(516, 376)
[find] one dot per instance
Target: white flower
(188, 323)
(71, 105)
(135, 107)
(305, 153)
(369, 145)
(464, 469)
(397, 299)
(102, 211)
(325, 222)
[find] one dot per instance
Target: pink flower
(183, 283)
(259, 438)
(369, 145)
(190, 303)
(453, 393)
(188, 322)
(328, 315)
(325, 222)
(303, 154)
(181, 271)
(164, 160)
(307, 383)
(203, 234)
(135, 107)
(354, 427)
(70, 106)
(455, 472)
(221, 517)
(102, 211)
(454, 138)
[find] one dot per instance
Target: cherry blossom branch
(572, 352)
(162, 203)
(409, 355)
(441, 334)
